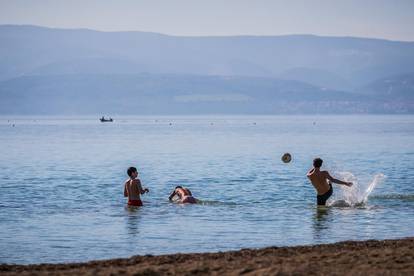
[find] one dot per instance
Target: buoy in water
(286, 158)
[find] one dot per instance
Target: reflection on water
(133, 218)
(321, 221)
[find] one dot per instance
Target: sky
(388, 19)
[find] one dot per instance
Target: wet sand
(388, 257)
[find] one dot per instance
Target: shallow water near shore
(61, 184)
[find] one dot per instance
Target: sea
(61, 183)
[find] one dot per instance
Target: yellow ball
(286, 157)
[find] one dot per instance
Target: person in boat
(184, 195)
(321, 181)
(106, 120)
(133, 188)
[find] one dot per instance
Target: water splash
(356, 195)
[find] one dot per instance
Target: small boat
(104, 120)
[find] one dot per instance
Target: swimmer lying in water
(184, 195)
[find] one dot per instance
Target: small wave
(215, 203)
(340, 203)
(404, 197)
(242, 179)
(175, 199)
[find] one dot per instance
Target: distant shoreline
(349, 257)
(95, 117)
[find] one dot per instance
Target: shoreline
(348, 257)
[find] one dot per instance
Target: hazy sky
(391, 19)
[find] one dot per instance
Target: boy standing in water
(183, 194)
(133, 188)
(321, 180)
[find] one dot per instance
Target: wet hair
(178, 187)
(131, 170)
(317, 162)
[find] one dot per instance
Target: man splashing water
(322, 180)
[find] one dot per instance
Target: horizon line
(204, 36)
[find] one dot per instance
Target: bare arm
(172, 195)
(140, 189)
(125, 190)
(337, 181)
(310, 173)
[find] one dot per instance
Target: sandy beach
(387, 257)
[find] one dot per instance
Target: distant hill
(391, 88)
(332, 61)
(317, 77)
(57, 71)
(170, 94)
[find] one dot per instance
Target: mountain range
(61, 71)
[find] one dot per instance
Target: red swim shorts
(134, 202)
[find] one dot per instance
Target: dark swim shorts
(321, 199)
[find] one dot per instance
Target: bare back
(133, 189)
(319, 180)
(182, 192)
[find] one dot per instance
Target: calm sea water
(61, 184)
